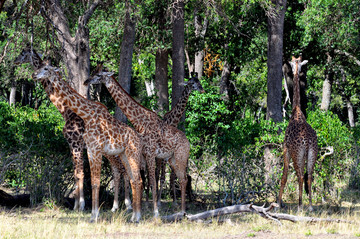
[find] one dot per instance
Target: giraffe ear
(304, 62)
(183, 83)
(110, 73)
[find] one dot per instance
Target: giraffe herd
(152, 139)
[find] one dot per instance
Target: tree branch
(89, 12)
(262, 211)
(348, 55)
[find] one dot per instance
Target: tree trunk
(200, 31)
(350, 110)
(161, 79)
(275, 16)
(199, 63)
(225, 81)
(125, 65)
(150, 88)
(178, 55)
(26, 93)
(326, 92)
(12, 98)
(75, 50)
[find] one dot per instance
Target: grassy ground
(49, 221)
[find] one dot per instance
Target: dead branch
(246, 208)
(352, 57)
(292, 218)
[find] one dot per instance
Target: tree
(161, 58)
(275, 12)
(75, 50)
(178, 54)
(201, 24)
(125, 64)
(332, 27)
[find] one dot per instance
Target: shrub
(34, 152)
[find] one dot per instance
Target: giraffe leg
(284, 176)
(127, 193)
(131, 162)
(179, 163)
(173, 187)
(299, 164)
(116, 175)
(150, 159)
(77, 152)
(310, 170)
(80, 176)
(181, 175)
(95, 159)
(162, 166)
(301, 183)
(145, 177)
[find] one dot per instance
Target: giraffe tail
(305, 183)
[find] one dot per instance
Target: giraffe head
(28, 55)
(46, 71)
(194, 84)
(99, 78)
(296, 64)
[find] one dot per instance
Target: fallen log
(8, 200)
(247, 208)
(292, 218)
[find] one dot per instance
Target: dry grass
(43, 222)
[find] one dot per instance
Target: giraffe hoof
(82, 206)
(94, 217)
(135, 218)
(156, 214)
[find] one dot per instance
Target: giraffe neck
(49, 89)
(173, 117)
(65, 97)
(296, 96)
(137, 114)
(297, 114)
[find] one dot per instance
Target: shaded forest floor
(51, 221)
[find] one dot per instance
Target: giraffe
(173, 118)
(300, 142)
(160, 140)
(103, 135)
(73, 133)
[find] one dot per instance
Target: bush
(34, 154)
(332, 172)
(227, 152)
